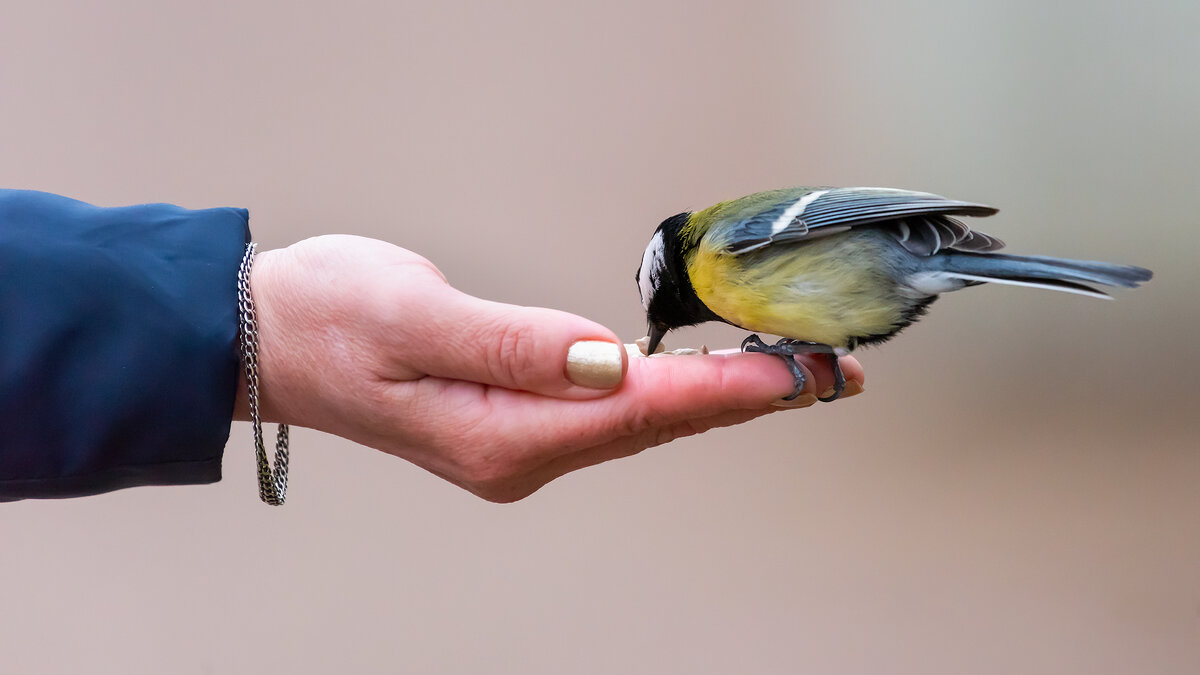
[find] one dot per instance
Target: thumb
(534, 349)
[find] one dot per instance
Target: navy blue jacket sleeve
(118, 364)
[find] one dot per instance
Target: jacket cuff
(118, 364)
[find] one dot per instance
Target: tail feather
(1060, 274)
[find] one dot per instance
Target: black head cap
(667, 294)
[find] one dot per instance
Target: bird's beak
(656, 335)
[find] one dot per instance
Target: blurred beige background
(1017, 491)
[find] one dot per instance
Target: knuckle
(667, 434)
(422, 265)
(512, 351)
(637, 423)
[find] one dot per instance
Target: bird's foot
(786, 349)
(839, 379)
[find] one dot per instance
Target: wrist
(260, 301)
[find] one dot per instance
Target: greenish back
(738, 210)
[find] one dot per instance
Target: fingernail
(852, 388)
(594, 364)
(801, 401)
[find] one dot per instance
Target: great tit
(830, 269)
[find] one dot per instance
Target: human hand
(366, 340)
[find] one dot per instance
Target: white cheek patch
(650, 275)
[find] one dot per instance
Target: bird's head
(667, 294)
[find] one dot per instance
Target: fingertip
(596, 362)
(852, 369)
(536, 349)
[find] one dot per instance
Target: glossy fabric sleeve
(118, 364)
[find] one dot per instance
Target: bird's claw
(786, 349)
(839, 380)
(754, 344)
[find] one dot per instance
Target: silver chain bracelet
(272, 484)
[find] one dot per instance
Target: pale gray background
(1017, 491)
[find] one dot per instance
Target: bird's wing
(920, 221)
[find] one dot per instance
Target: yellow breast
(828, 290)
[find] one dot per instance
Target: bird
(830, 269)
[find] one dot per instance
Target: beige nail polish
(801, 401)
(594, 364)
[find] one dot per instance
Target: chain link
(272, 484)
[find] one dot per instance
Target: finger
(532, 349)
(822, 371)
(662, 391)
(667, 389)
(817, 369)
(658, 392)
